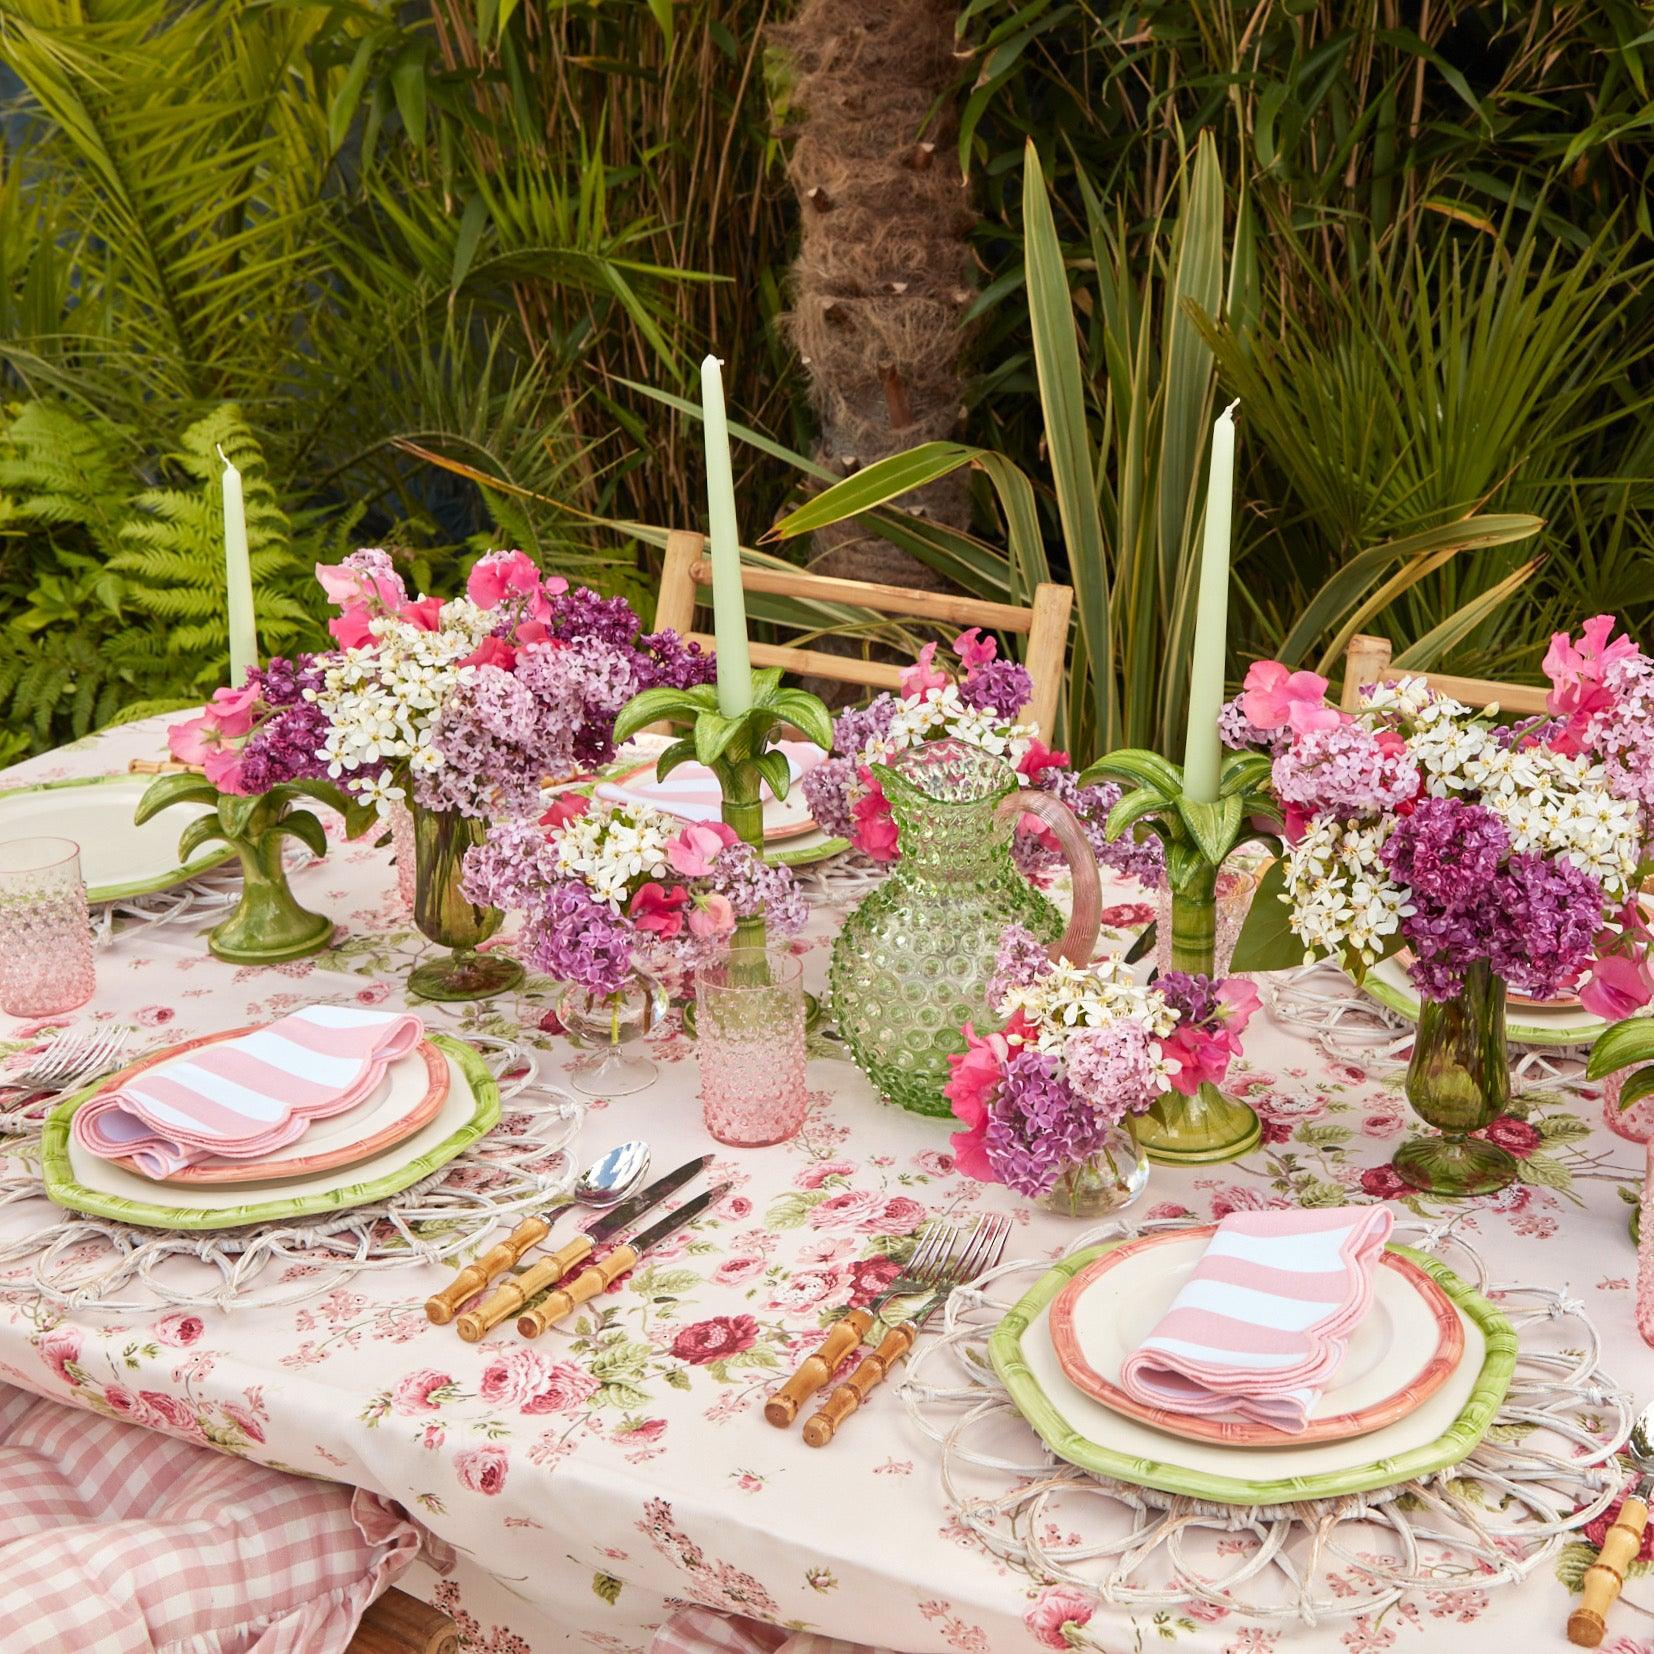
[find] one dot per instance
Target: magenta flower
(974, 650)
(1577, 672)
(1616, 986)
(975, 1074)
(503, 574)
(656, 909)
(873, 827)
(1274, 696)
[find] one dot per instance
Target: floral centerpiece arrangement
(1493, 854)
(616, 895)
(979, 705)
(259, 750)
(1046, 1101)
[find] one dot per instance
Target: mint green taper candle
(238, 579)
(1202, 749)
(729, 607)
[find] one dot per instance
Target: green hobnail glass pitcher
(911, 965)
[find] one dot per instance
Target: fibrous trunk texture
(881, 283)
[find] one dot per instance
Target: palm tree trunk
(881, 282)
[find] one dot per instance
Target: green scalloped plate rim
(1526, 1033)
(1459, 1439)
(66, 1190)
(135, 887)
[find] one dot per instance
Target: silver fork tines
(71, 1055)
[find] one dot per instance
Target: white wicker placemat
(1545, 1469)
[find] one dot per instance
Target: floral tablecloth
(588, 1482)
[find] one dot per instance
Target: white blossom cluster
(611, 845)
(940, 712)
(1344, 902)
(1070, 997)
(381, 702)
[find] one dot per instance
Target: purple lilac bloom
(1547, 912)
(581, 613)
(1239, 733)
(1112, 1068)
(1038, 1128)
(857, 727)
(1623, 733)
(1142, 859)
(1194, 997)
(827, 791)
(492, 740)
(511, 867)
(1446, 851)
(1000, 686)
(285, 744)
(1020, 962)
(1344, 770)
(757, 889)
(576, 938)
(666, 661)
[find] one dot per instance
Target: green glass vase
(1459, 1082)
(448, 917)
(1208, 1126)
(911, 965)
(268, 925)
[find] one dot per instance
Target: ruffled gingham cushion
(117, 1540)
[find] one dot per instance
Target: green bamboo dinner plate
(117, 857)
(84, 1183)
(1555, 1025)
(1439, 1432)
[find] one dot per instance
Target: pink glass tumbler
(45, 931)
(749, 1035)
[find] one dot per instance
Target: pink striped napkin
(1261, 1326)
(246, 1096)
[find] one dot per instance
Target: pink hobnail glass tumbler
(45, 931)
(402, 852)
(1637, 1124)
(749, 1035)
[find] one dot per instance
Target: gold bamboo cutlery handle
(873, 1370)
(1606, 1575)
(441, 1307)
(782, 1408)
(587, 1284)
(510, 1296)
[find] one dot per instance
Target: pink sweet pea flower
(1239, 999)
(350, 629)
(1576, 673)
(350, 587)
(492, 651)
(223, 767)
(190, 741)
(1039, 758)
(426, 614)
(1616, 986)
(564, 808)
(711, 916)
(694, 850)
(234, 709)
(502, 574)
(873, 827)
(923, 675)
(975, 1074)
(1274, 696)
(974, 650)
(659, 910)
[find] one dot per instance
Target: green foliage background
(341, 239)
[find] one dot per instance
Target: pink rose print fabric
(615, 1477)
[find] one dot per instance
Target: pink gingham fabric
(115, 1539)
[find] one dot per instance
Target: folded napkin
(1261, 1326)
(247, 1096)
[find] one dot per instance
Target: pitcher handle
(1079, 941)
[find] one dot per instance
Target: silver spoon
(605, 1182)
(1620, 1544)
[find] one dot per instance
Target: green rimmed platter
(1527, 1024)
(1435, 1435)
(81, 1182)
(117, 858)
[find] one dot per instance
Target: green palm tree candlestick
(1197, 836)
(738, 750)
(268, 924)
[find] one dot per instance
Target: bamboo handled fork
(945, 1256)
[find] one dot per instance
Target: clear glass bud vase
(1108, 1180)
(449, 918)
(1459, 1081)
